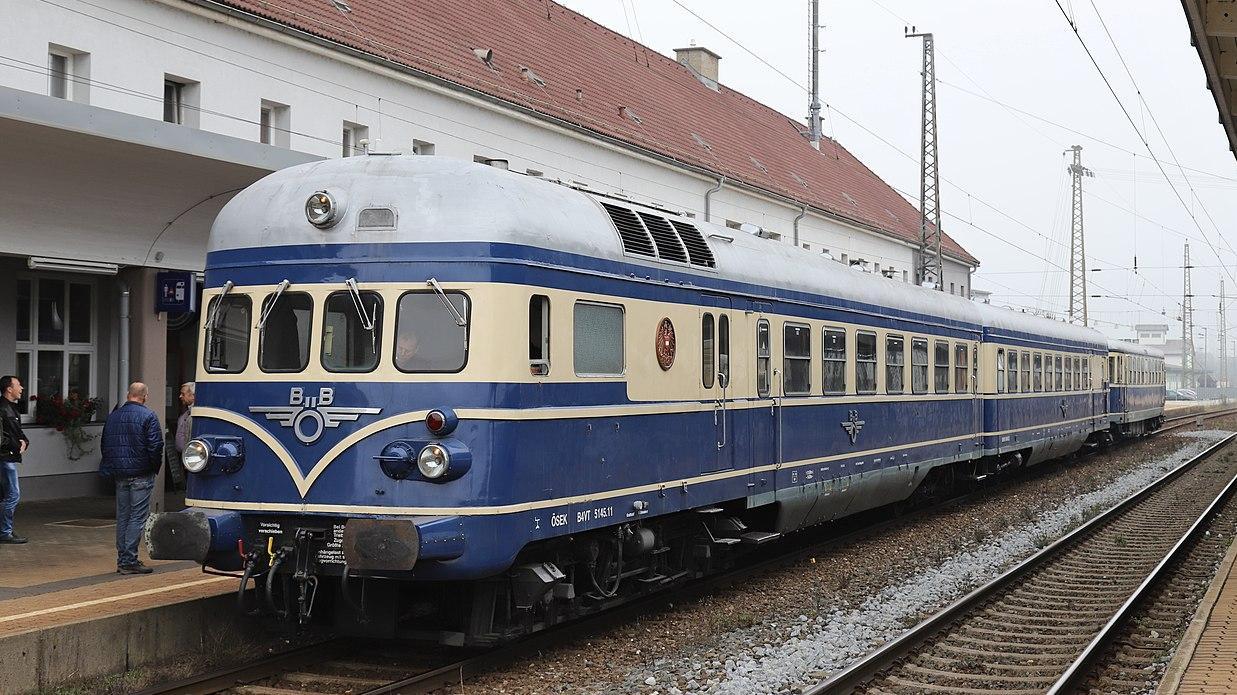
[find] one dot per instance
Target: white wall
(133, 44)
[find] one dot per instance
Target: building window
(275, 124)
(422, 147)
(68, 73)
(895, 361)
(58, 75)
(352, 135)
(865, 362)
(833, 350)
(539, 335)
(598, 338)
(797, 359)
(56, 321)
(180, 101)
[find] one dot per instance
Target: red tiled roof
(594, 78)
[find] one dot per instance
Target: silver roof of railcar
(439, 199)
(1133, 349)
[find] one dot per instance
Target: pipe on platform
(123, 372)
(708, 216)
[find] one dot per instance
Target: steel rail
(222, 678)
(860, 672)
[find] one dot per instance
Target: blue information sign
(176, 292)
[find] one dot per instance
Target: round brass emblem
(665, 344)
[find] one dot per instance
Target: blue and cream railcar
(418, 371)
(1043, 388)
(1135, 376)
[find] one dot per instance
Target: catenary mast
(928, 265)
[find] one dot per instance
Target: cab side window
(762, 358)
(351, 331)
(539, 335)
(283, 336)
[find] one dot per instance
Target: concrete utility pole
(1223, 341)
(1077, 247)
(1187, 327)
(928, 264)
(813, 111)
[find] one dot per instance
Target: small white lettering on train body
(558, 519)
(603, 512)
(584, 515)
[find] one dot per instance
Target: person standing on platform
(132, 453)
(13, 443)
(184, 431)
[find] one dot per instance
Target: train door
(716, 324)
(762, 420)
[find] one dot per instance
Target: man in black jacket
(132, 454)
(13, 443)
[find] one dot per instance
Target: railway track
(1041, 626)
(343, 666)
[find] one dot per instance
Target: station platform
(1206, 659)
(65, 613)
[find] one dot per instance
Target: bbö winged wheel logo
(310, 416)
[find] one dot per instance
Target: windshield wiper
(367, 320)
(266, 313)
(442, 297)
(213, 320)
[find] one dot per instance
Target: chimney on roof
(701, 61)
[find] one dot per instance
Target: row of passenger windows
(1135, 371)
(429, 337)
(797, 369)
(1023, 371)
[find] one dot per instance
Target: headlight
(322, 210)
(195, 456)
(433, 461)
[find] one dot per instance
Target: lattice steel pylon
(1187, 326)
(1077, 245)
(928, 264)
(1223, 340)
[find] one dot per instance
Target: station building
(128, 124)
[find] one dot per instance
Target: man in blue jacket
(132, 449)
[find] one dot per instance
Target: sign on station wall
(176, 292)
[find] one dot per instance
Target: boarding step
(708, 510)
(725, 541)
(759, 537)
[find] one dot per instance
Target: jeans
(132, 508)
(10, 492)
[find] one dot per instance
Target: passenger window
(598, 339)
(428, 337)
(283, 340)
(833, 351)
(1112, 369)
(1037, 370)
(1077, 373)
(940, 366)
(1026, 372)
(1086, 373)
(895, 363)
(723, 349)
(919, 365)
(707, 369)
(762, 358)
(1012, 373)
(539, 335)
(351, 331)
(1069, 374)
(1000, 370)
(227, 334)
(797, 360)
(1059, 381)
(865, 362)
(961, 369)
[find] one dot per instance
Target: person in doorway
(13, 443)
(132, 447)
(184, 431)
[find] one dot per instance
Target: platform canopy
(1213, 30)
(90, 184)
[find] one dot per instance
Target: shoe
(12, 539)
(139, 568)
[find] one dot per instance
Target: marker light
(435, 421)
(196, 456)
(433, 461)
(322, 210)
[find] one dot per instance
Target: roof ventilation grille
(697, 248)
(376, 218)
(635, 239)
(669, 247)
